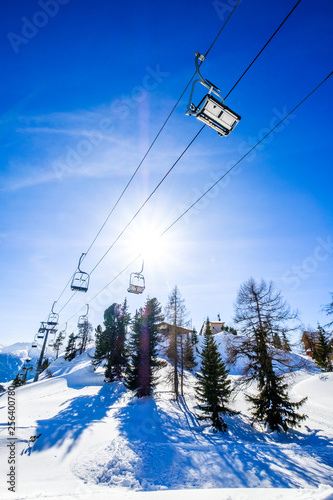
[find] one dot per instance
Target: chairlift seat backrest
(216, 115)
(34, 345)
(80, 282)
(82, 321)
(52, 321)
(137, 283)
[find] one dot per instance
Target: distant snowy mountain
(12, 358)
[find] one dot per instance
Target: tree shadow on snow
(68, 424)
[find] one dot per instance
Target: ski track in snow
(97, 439)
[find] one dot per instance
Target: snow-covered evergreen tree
(323, 352)
(71, 348)
(140, 373)
(261, 315)
(189, 358)
(110, 342)
(213, 389)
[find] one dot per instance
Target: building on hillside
(310, 340)
(166, 328)
(215, 326)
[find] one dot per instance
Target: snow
(98, 441)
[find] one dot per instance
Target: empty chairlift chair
(83, 320)
(137, 282)
(80, 281)
(211, 110)
(53, 319)
(41, 331)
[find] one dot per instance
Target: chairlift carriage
(212, 111)
(137, 282)
(83, 320)
(41, 330)
(80, 281)
(53, 319)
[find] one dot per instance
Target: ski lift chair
(83, 320)
(42, 328)
(80, 281)
(137, 283)
(53, 319)
(212, 111)
(34, 345)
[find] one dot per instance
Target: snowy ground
(97, 441)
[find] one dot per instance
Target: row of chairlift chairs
(49, 327)
(212, 111)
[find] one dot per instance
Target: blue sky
(86, 87)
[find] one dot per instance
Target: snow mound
(319, 388)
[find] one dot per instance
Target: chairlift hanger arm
(78, 266)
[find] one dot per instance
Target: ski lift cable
(169, 171)
(137, 213)
(149, 149)
(213, 185)
(147, 199)
(157, 135)
(246, 154)
(275, 32)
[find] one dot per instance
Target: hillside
(98, 441)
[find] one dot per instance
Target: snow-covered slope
(98, 441)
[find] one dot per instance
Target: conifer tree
(57, 344)
(110, 342)
(140, 373)
(71, 349)
(285, 342)
(189, 358)
(194, 338)
(132, 381)
(19, 380)
(323, 351)
(261, 315)
(84, 335)
(213, 387)
(45, 364)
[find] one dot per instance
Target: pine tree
(272, 406)
(276, 341)
(132, 380)
(285, 342)
(213, 387)
(84, 335)
(19, 380)
(110, 342)
(323, 351)
(71, 349)
(194, 338)
(57, 344)
(45, 364)
(189, 358)
(140, 373)
(261, 315)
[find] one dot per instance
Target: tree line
(263, 320)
